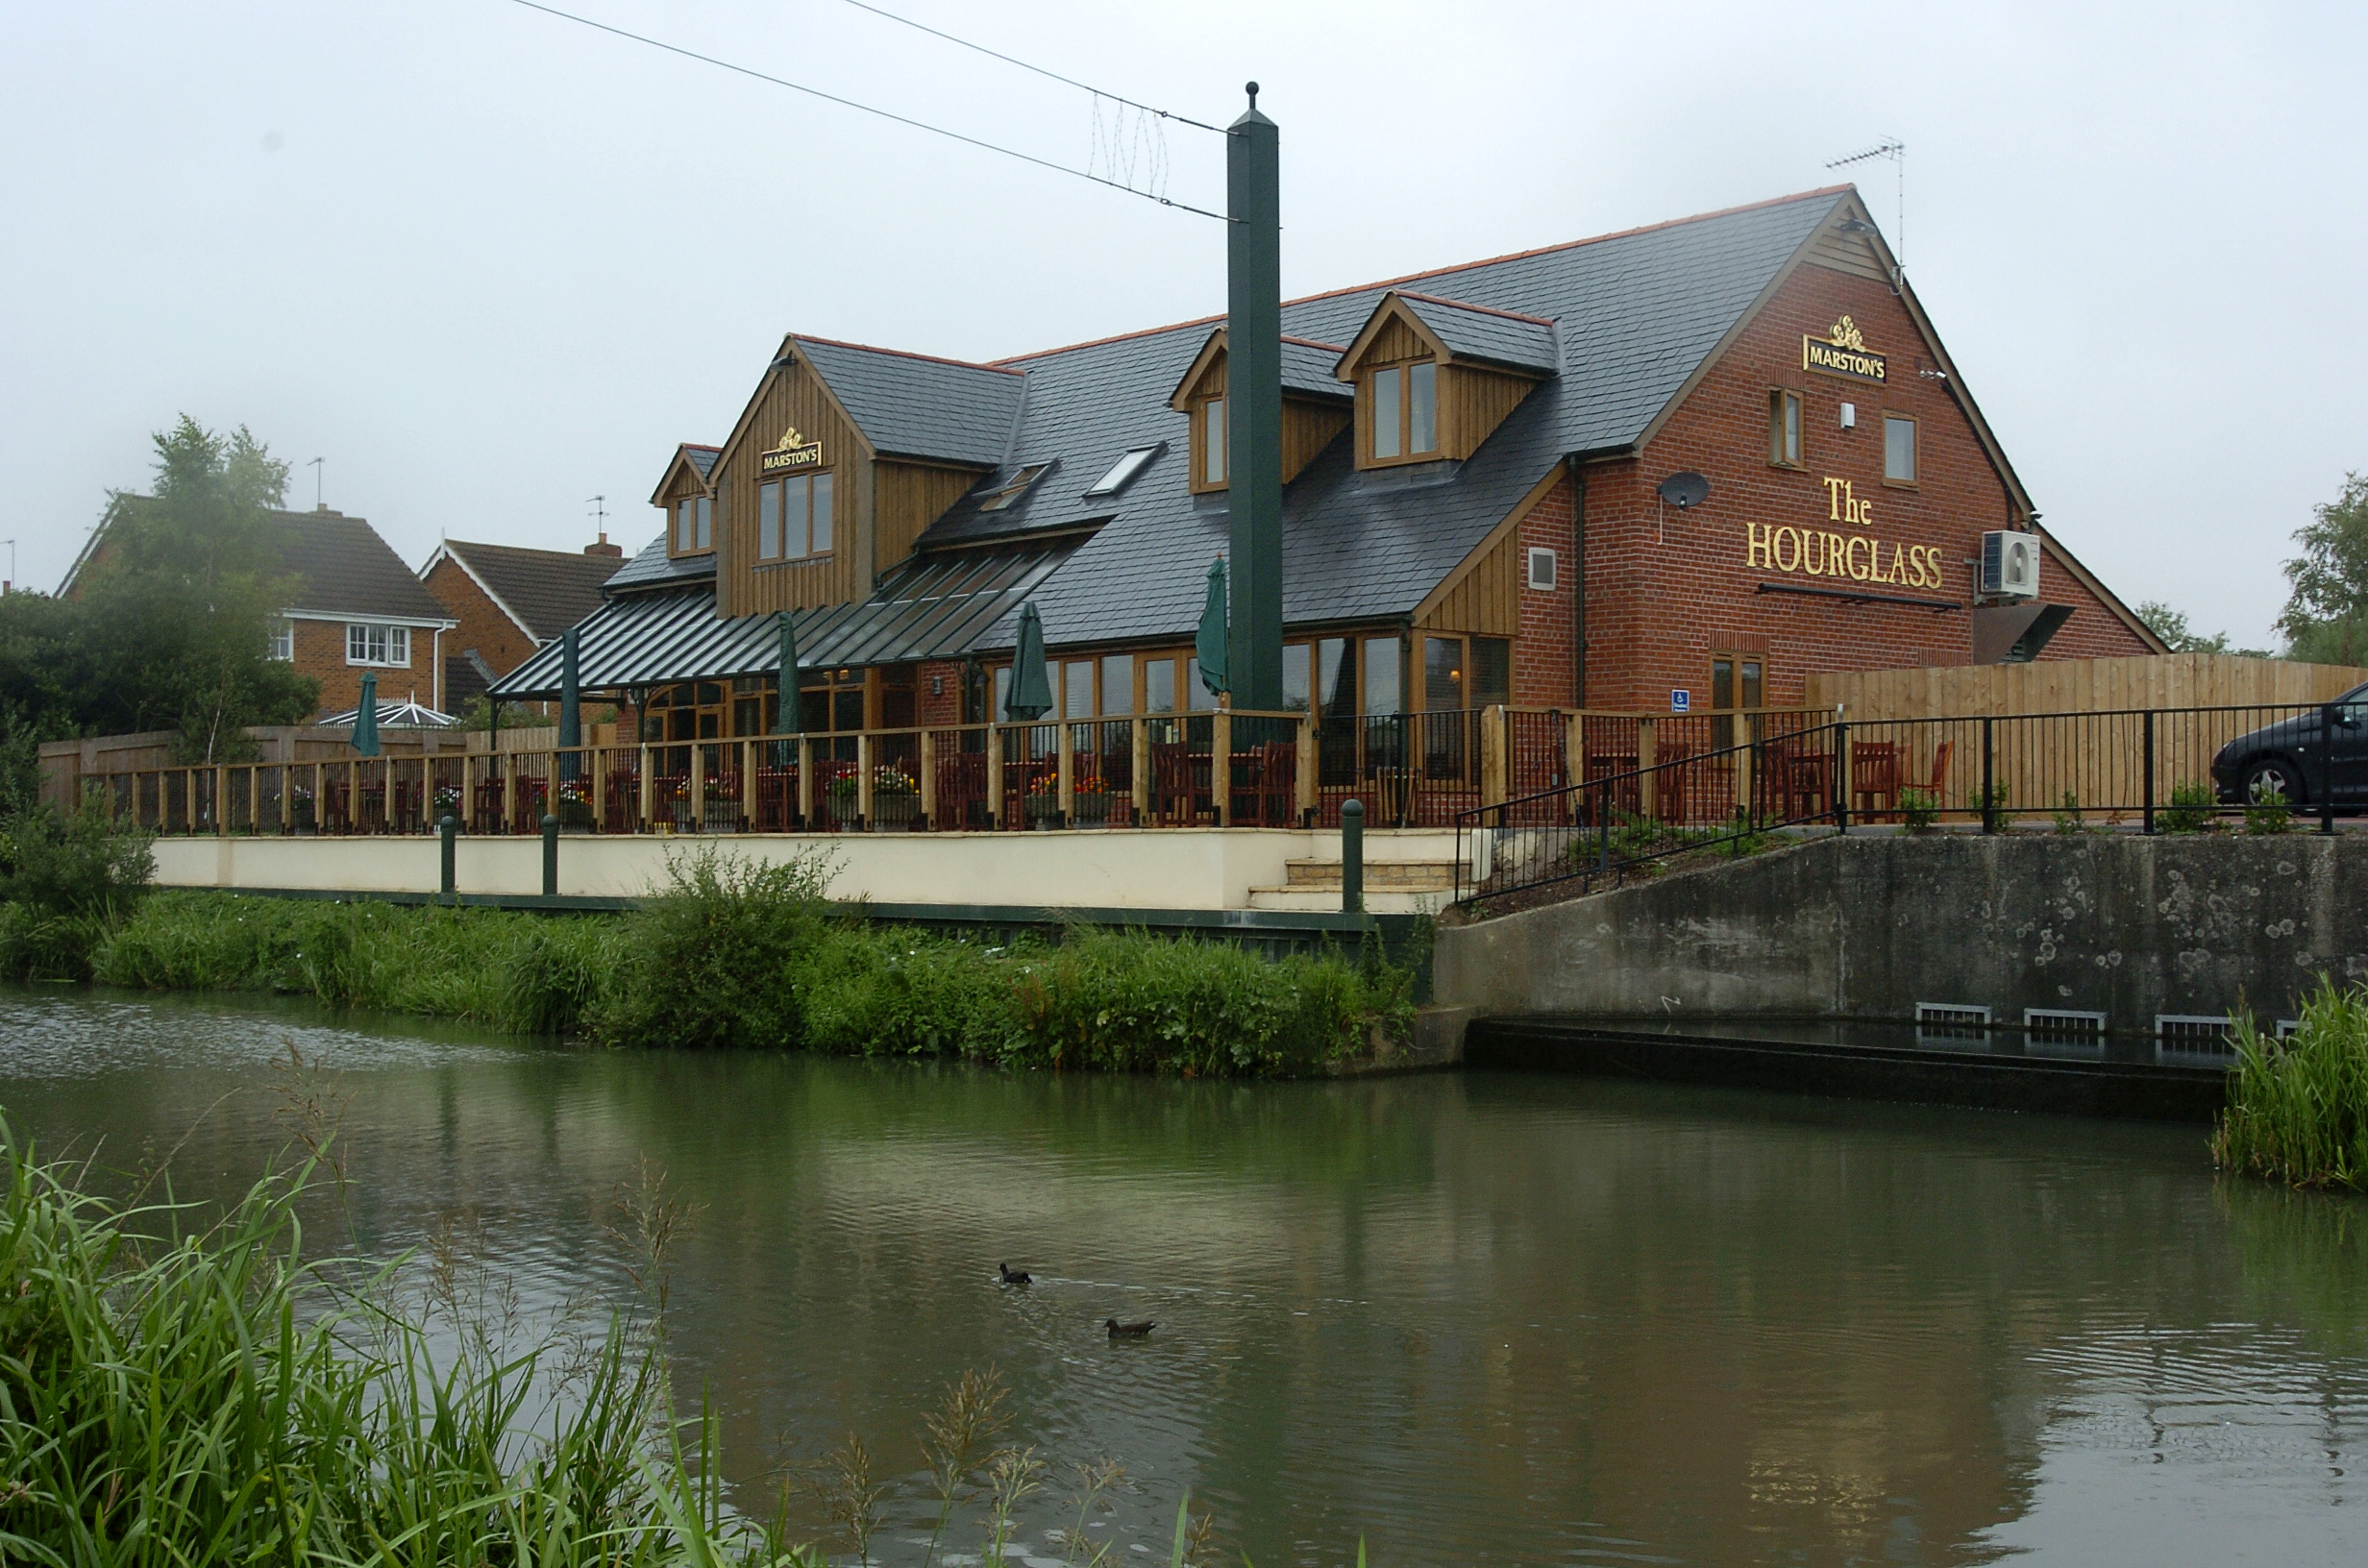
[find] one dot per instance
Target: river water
(1469, 1318)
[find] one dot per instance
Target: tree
(2326, 617)
(2171, 625)
(175, 610)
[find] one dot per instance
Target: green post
(550, 856)
(1254, 406)
(1352, 857)
(447, 830)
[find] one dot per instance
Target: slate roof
(653, 568)
(1308, 368)
(703, 458)
(911, 405)
(1497, 336)
(1635, 313)
(547, 591)
(930, 607)
(342, 567)
(1616, 325)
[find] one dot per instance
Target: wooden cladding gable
(791, 396)
(1204, 377)
(681, 479)
(909, 496)
(1472, 403)
(1839, 250)
(1308, 427)
(1484, 595)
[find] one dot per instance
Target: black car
(2295, 757)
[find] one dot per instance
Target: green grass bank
(735, 955)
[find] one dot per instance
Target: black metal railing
(2140, 770)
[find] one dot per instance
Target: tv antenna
(316, 466)
(1896, 150)
(599, 512)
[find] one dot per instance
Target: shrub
(2068, 819)
(708, 961)
(2191, 808)
(1919, 809)
(2298, 1107)
(1993, 799)
(2267, 810)
(67, 879)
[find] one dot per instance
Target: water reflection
(1487, 1318)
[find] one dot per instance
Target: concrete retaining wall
(1103, 868)
(1870, 926)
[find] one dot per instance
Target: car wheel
(2274, 774)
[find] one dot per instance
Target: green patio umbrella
(1210, 644)
(791, 720)
(571, 703)
(1031, 684)
(367, 717)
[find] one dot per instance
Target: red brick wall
(320, 652)
(484, 627)
(1663, 592)
(1545, 658)
(937, 696)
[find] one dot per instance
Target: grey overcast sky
(488, 263)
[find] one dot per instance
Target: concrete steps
(1392, 886)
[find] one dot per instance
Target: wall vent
(1950, 1021)
(2205, 1032)
(2062, 1032)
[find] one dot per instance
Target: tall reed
(2298, 1107)
(175, 1392)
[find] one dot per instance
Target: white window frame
(381, 644)
(282, 646)
(1542, 581)
(1915, 456)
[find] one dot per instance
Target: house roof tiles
(547, 591)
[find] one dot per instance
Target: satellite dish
(1684, 491)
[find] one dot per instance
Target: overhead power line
(1065, 81)
(867, 109)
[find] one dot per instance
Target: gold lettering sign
(794, 452)
(1816, 553)
(1843, 351)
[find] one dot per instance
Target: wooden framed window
(1209, 434)
(1738, 681)
(1784, 429)
(795, 517)
(694, 524)
(1899, 458)
(1401, 420)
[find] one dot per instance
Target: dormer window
(1404, 405)
(694, 523)
(1123, 472)
(1213, 444)
(1014, 488)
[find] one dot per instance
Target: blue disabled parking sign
(1681, 701)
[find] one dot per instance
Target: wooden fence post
(994, 776)
(805, 783)
(1142, 770)
(1494, 724)
(928, 778)
(1644, 743)
(1220, 764)
(1307, 800)
(1065, 769)
(863, 779)
(645, 793)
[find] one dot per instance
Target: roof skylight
(1014, 488)
(1123, 472)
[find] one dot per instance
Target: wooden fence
(2176, 681)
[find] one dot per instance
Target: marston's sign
(793, 453)
(1842, 352)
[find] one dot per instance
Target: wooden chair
(1874, 778)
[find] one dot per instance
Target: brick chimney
(605, 548)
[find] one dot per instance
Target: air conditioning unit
(2010, 564)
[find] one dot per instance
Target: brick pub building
(1474, 461)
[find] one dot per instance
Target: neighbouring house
(506, 602)
(353, 606)
(1479, 466)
